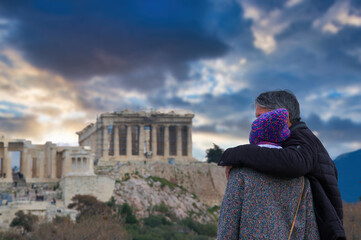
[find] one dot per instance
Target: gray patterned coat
(258, 206)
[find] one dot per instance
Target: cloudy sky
(63, 62)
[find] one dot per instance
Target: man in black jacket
(302, 155)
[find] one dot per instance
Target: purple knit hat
(270, 127)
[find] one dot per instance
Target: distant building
(31, 185)
(42, 162)
(137, 136)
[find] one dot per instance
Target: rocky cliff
(206, 181)
(184, 190)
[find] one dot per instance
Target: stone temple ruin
(132, 136)
(115, 137)
(33, 182)
(42, 163)
(124, 136)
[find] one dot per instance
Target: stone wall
(53, 212)
(101, 187)
(7, 213)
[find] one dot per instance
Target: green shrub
(131, 219)
(207, 229)
(125, 209)
(126, 177)
(162, 208)
(126, 213)
(25, 221)
(194, 196)
(164, 182)
(111, 203)
(155, 221)
(213, 210)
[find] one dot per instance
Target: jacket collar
(298, 125)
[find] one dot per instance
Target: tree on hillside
(24, 221)
(88, 206)
(214, 154)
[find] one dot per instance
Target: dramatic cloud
(64, 62)
(292, 3)
(265, 26)
(35, 103)
(335, 129)
(337, 134)
(135, 43)
(338, 16)
(19, 126)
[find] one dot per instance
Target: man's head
(273, 100)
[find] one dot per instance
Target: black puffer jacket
(302, 155)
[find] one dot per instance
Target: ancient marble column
(105, 142)
(129, 140)
(90, 165)
(29, 172)
(141, 140)
(79, 167)
(41, 159)
(179, 140)
(22, 162)
(35, 168)
(2, 163)
(53, 162)
(116, 141)
(66, 163)
(189, 141)
(7, 162)
(84, 164)
(47, 160)
(154, 139)
(26, 164)
(166, 141)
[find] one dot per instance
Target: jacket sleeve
(295, 160)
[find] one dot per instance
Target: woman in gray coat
(258, 206)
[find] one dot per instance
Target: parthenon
(131, 136)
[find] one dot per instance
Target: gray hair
(273, 100)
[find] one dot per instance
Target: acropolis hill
(118, 144)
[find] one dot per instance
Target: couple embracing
(283, 185)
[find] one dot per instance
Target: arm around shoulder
(293, 161)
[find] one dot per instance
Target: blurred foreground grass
(352, 220)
